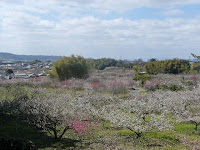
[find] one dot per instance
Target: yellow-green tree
(70, 67)
(139, 76)
(196, 66)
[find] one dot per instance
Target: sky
(120, 29)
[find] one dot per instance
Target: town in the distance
(24, 70)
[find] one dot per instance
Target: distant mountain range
(14, 57)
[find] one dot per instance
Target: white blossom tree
(51, 114)
(137, 124)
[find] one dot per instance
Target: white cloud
(116, 5)
(93, 37)
(122, 5)
(173, 12)
(28, 27)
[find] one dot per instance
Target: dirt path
(134, 92)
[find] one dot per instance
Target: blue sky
(126, 29)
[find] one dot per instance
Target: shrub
(96, 85)
(65, 82)
(194, 78)
(172, 87)
(82, 127)
(73, 84)
(151, 85)
(93, 79)
(142, 78)
(117, 86)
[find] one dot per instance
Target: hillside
(14, 57)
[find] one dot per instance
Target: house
(21, 75)
(143, 72)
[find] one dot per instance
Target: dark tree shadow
(10, 128)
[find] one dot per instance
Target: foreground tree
(70, 67)
(48, 113)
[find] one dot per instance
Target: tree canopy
(196, 57)
(70, 67)
(174, 66)
(9, 71)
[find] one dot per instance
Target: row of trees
(102, 63)
(174, 66)
(78, 67)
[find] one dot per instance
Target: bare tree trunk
(138, 134)
(55, 133)
(66, 128)
(196, 127)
